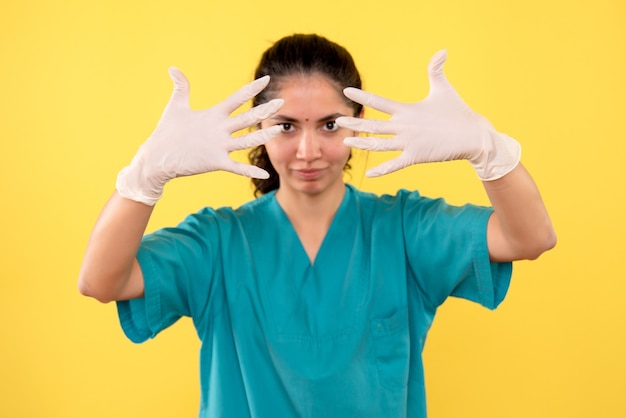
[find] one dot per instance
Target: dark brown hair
(293, 55)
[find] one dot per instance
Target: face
(309, 154)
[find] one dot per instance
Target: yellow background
(84, 82)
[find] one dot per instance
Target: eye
(286, 127)
(330, 126)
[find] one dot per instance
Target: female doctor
(314, 299)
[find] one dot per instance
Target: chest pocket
(391, 346)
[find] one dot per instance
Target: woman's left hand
(439, 128)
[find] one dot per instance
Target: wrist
(499, 156)
(135, 182)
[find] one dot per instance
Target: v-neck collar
(337, 221)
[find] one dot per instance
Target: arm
(110, 270)
(185, 142)
(520, 227)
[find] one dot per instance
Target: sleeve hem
(492, 279)
(141, 318)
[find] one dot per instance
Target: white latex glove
(187, 142)
(439, 128)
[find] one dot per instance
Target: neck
(311, 208)
(311, 215)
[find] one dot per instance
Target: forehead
(311, 92)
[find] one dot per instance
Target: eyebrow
(288, 119)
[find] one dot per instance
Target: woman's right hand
(187, 142)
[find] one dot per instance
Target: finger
(244, 94)
(370, 100)
(390, 166)
(366, 125)
(253, 139)
(374, 144)
(180, 95)
(246, 170)
(254, 116)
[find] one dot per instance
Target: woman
(315, 298)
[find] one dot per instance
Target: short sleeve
(448, 255)
(179, 268)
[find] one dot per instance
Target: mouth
(309, 173)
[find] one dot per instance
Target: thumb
(180, 95)
(436, 77)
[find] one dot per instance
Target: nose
(308, 146)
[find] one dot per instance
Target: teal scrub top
(342, 337)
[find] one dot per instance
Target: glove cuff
(132, 183)
(499, 157)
